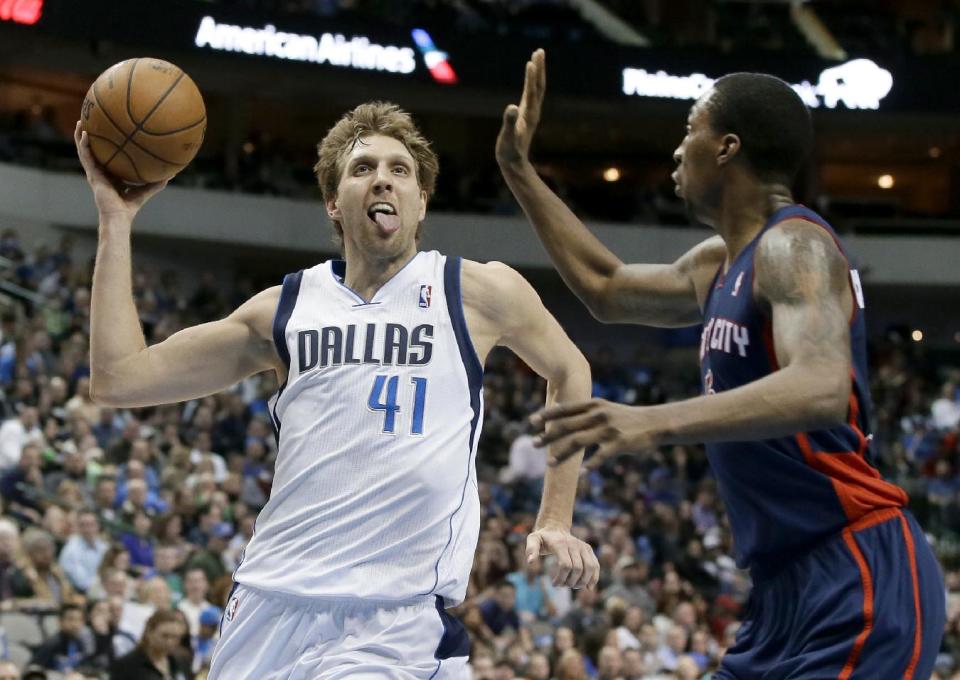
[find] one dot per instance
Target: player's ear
(333, 209)
(729, 147)
(423, 206)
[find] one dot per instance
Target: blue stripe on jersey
(288, 300)
(471, 364)
(454, 642)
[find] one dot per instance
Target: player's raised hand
(113, 198)
(577, 565)
(611, 428)
(520, 122)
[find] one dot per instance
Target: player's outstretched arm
(192, 363)
(802, 277)
(663, 295)
(513, 316)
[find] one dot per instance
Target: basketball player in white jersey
(373, 518)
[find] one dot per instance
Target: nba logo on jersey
(232, 608)
(736, 284)
(425, 292)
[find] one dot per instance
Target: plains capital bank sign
(857, 84)
(333, 49)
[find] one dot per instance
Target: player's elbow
(829, 407)
(601, 304)
(103, 392)
(99, 394)
(571, 373)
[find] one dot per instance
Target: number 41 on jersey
(383, 397)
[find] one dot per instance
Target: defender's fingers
(539, 419)
(567, 425)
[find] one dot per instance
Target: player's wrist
(552, 524)
(515, 165)
(116, 221)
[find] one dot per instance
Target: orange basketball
(145, 119)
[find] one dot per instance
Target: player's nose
(382, 181)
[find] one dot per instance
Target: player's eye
(401, 170)
(361, 168)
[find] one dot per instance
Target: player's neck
(367, 273)
(745, 208)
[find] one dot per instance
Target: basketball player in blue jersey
(845, 585)
(373, 518)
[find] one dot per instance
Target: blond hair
(373, 118)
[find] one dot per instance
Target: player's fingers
(528, 78)
(510, 115)
(567, 425)
(591, 567)
(539, 419)
(564, 565)
(576, 567)
(534, 541)
(603, 452)
(570, 445)
(538, 88)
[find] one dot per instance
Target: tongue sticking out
(387, 223)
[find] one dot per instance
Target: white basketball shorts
(268, 636)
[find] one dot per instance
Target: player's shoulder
(490, 279)
(796, 258)
(797, 238)
(259, 311)
(496, 290)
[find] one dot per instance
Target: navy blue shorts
(867, 604)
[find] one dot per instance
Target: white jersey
(375, 492)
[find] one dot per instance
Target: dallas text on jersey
(389, 344)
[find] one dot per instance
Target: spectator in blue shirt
(83, 551)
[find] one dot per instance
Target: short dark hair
(68, 607)
(770, 119)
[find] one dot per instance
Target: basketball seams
(153, 155)
(106, 114)
(173, 132)
(138, 127)
(133, 67)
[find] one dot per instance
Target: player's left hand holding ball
(611, 428)
(577, 566)
(114, 198)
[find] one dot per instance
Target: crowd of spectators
(121, 528)
(265, 165)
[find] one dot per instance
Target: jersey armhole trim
(454, 294)
(288, 300)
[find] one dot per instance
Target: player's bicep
(196, 361)
(531, 332)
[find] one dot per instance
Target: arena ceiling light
(857, 84)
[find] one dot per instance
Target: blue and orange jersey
(786, 494)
